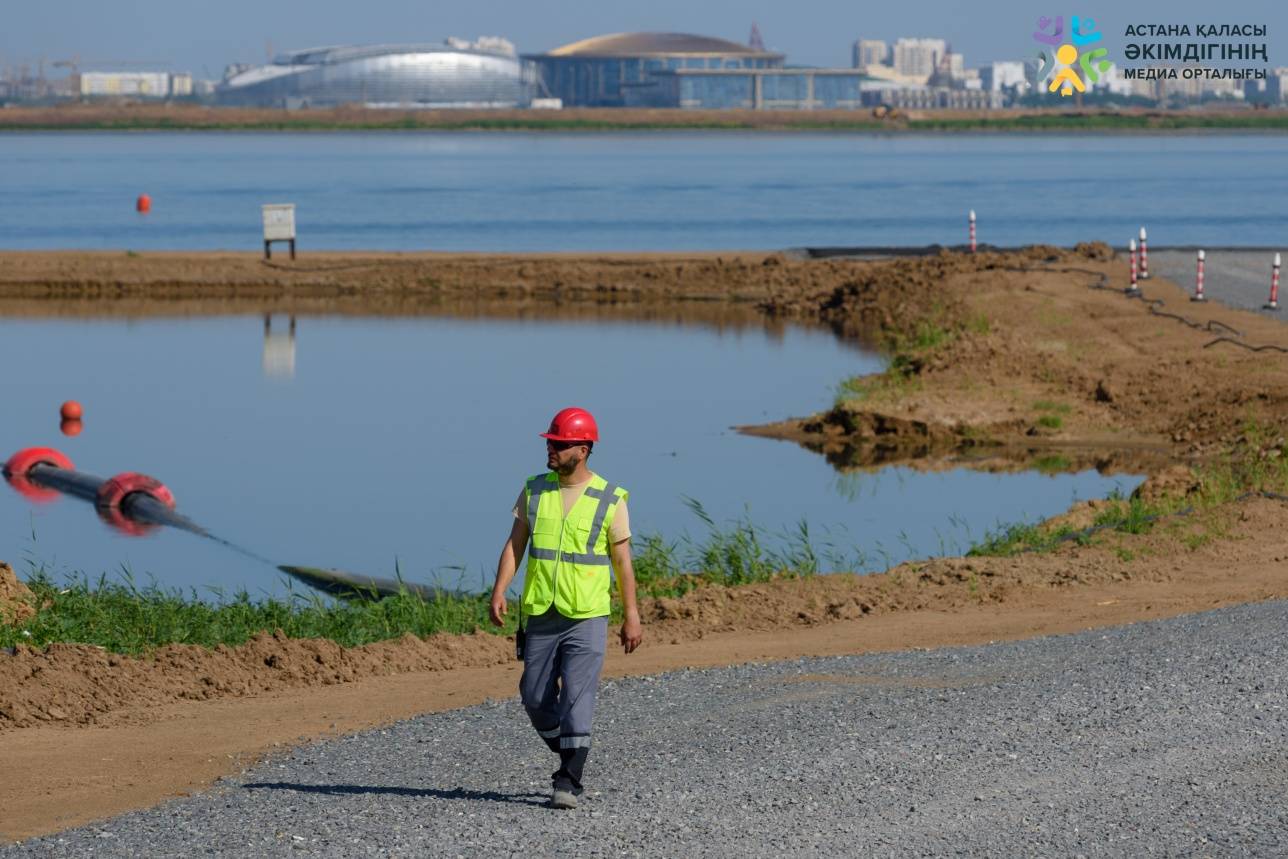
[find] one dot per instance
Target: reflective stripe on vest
(565, 568)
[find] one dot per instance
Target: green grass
(907, 352)
(1051, 421)
(1016, 539)
(1051, 464)
(1258, 463)
(122, 617)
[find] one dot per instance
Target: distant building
(124, 85)
(181, 86)
(625, 69)
(752, 89)
(486, 73)
(870, 52)
(918, 58)
(1271, 91)
(1002, 76)
(933, 98)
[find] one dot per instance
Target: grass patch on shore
(123, 617)
(907, 351)
(1258, 463)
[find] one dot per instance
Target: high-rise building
(918, 58)
(870, 52)
(1000, 76)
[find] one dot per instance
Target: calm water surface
(642, 191)
(409, 439)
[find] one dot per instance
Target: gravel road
(1162, 738)
(1236, 277)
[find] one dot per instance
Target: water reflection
(279, 350)
(402, 443)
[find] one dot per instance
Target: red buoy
(114, 490)
(144, 204)
(22, 462)
(71, 411)
(25, 460)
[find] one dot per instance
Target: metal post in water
(972, 231)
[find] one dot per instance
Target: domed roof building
(619, 69)
(486, 73)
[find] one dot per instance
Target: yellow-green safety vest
(568, 563)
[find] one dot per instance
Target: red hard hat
(572, 424)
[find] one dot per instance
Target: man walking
(574, 525)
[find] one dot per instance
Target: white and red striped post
(972, 231)
(1274, 285)
(1198, 280)
(1133, 289)
(1144, 256)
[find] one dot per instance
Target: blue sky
(181, 35)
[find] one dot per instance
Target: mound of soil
(78, 684)
(17, 602)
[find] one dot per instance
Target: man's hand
(632, 632)
(498, 609)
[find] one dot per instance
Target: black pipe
(145, 509)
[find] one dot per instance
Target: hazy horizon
(162, 35)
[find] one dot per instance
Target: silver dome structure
(482, 74)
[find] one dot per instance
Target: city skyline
(162, 35)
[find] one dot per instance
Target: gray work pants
(561, 664)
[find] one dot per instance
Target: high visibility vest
(568, 564)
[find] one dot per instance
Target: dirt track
(1017, 338)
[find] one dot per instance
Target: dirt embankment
(1041, 351)
(380, 283)
(17, 602)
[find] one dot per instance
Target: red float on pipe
(21, 463)
(116, 489)
(71, 411)
(143, 205)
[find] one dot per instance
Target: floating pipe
(135, 504)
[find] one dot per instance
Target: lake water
(406, 440)
(640, 191)
(409, 439)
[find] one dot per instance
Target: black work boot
(572, 764)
